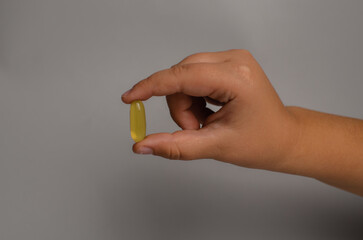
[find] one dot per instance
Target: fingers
(179, 105)
(199, 79)
(199, 68)
(200, 111)
(188, 112)
(182, 145)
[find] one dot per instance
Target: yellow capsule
(137, 121)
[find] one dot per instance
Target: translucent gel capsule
(137, 121)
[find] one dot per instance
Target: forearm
(327, 147)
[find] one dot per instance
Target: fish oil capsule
(137, 121)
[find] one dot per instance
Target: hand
(252, 128)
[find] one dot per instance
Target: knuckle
(150, 78)
(234, 50)
(242, 52)
(196, 69)
(174, 152)
(246, 52)
(190, 58)
(243, 75)
(176, 70)
(196, 57)
(141, 84)
(147, 82)
(243, 71)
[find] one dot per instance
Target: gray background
(66, 166)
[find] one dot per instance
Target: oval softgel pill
(137, 121)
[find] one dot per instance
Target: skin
(253, 128)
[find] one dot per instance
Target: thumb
(181, 145)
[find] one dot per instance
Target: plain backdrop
(67, 170)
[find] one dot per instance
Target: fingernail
(144, 150)
(126, 93)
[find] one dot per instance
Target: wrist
(292, 146)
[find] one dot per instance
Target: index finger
(197, 79)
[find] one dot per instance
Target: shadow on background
(175, 206)
(344, 223)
